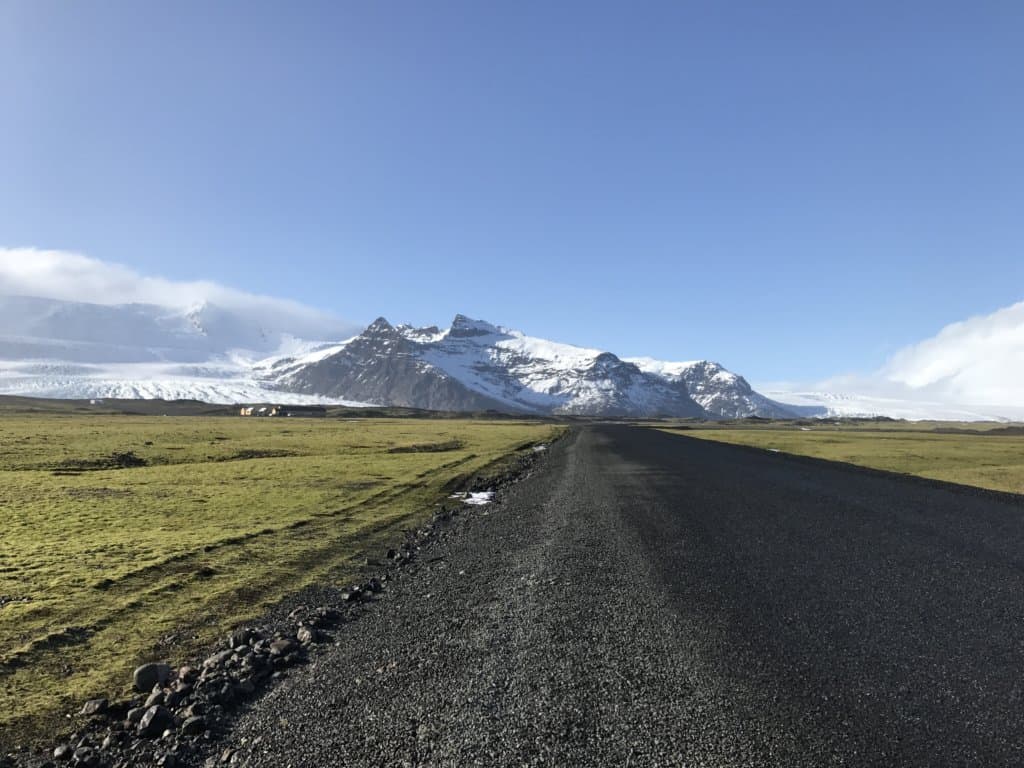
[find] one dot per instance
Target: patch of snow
(513, 368)
(299, 356)
(476, 499)
(663, 367)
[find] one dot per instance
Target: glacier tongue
(216, 383)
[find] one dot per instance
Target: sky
(796, 189)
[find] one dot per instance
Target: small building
(300, 411)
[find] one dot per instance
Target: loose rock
(241, 636)
(218, 659)
(63, 752)
(95, 707)
(148, 675)
(193, 726)
(283, 646)
(155, 721)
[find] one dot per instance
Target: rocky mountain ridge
(474, 365)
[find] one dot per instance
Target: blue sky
(796, 189)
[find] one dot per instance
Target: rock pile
(176, 709)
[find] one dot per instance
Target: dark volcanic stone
(241, 636)
(155, 721)
(63, 752)
(193, 726)
(148, 675)
(218, 659)
(283, 646)
(188, 673)
(95, 707)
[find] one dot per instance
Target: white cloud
(979, 360)
(969, 369)
(73, 277)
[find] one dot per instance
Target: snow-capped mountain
(477, 366)
(715, 389)
(55, 348)
(34, 328)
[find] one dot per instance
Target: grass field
(985, 458)
(127, 539)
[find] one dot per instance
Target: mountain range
(223, 353)
(474, 365)
(54, 348)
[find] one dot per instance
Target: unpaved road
(651, 600)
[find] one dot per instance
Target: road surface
(647, 599)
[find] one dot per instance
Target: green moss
(125, 561)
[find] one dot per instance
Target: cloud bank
(979, 360)
(66, 276)
(969, 369)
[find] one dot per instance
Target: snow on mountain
(39, 328)
(718, 391)
(857, 405)
(475, 365)
(56, 348)
(33, 328)
(293, 357)
(73, 326)
(528, 373)
(211, 383)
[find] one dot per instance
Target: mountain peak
(463, 327)
(379, 326)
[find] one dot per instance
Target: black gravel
(651, 600)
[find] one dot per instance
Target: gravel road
(647, 599)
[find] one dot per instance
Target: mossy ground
(210, 522)
(986, 458)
